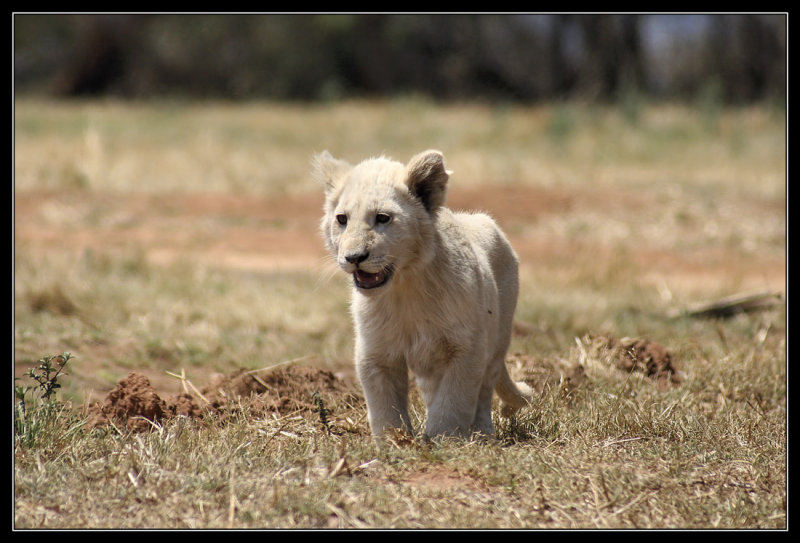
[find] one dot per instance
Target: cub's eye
(341, 218)
(382, 218)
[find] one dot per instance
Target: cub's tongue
(369, 280)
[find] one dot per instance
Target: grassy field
(170, 237)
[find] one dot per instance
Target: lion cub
(433, 291)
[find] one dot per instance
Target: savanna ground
(178, 242)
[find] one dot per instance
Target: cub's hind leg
(482, 423)
(451, 400)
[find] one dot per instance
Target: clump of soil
(135, 404)
(635, 354)
(596, 352)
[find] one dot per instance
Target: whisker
(328, 269)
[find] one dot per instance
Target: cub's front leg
(452, 398)
(385, 385)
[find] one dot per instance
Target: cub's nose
(357, 258)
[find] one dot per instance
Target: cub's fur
(433, 291)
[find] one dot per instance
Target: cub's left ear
(328, 170)
(427, 179)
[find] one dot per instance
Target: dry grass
(122, 258)
(619, 453)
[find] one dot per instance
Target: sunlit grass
(656, 210)
(266, 146)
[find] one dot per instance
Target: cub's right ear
(328, 170)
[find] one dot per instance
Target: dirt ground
(280, 232)
(135, 403)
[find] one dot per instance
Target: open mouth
(367, 280)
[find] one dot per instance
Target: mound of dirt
(134, 404)
(596, 351)
(281, 390)
(635, 354)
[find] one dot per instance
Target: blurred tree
(100, 57)
(747, 54)
(310, 57)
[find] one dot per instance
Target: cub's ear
(427, 179)
(328, 170)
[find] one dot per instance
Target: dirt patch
(282, 391)
(280, 231)
(595, 353)
(442, 478)
(512, 204)
(136, 405)
(634, 355)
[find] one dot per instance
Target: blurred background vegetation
(728, 58)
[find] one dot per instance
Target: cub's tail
(515, 395)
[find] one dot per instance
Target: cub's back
(488, 241)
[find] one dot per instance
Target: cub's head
(379, 215)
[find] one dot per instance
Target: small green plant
(32, 413)
(46, 376)
(322, 411)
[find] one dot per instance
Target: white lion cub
(433, 291)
